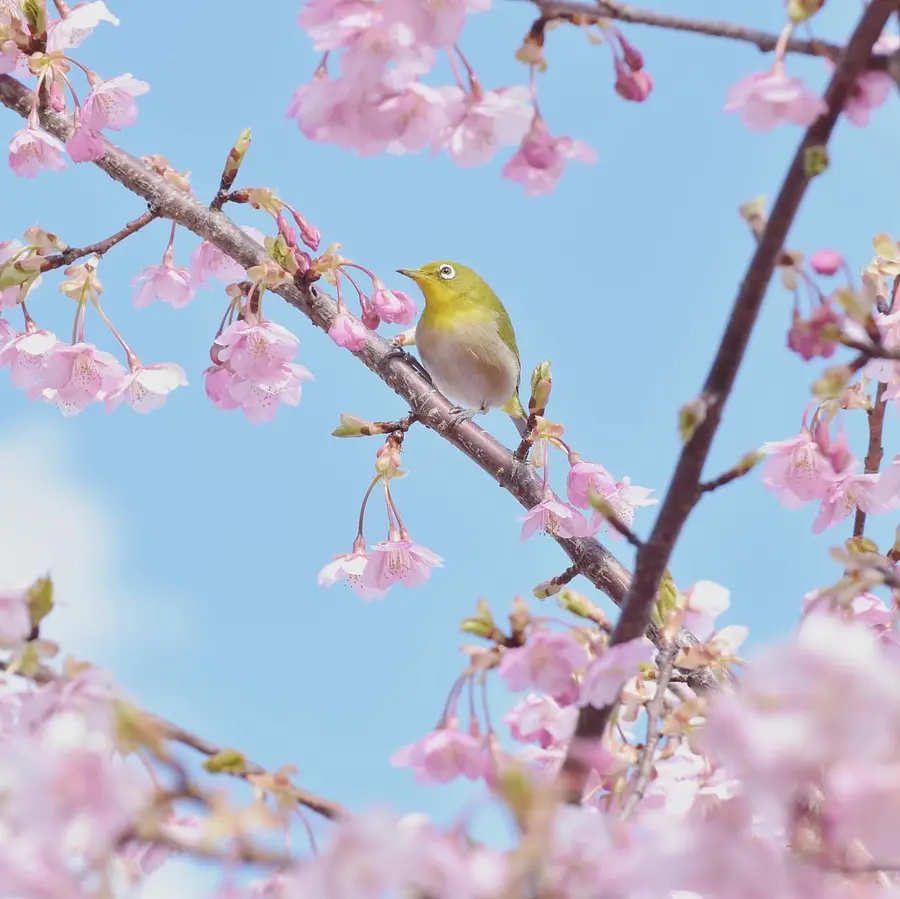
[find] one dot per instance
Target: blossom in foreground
(547, 662)
(110, 104)
(704, 602)
(443, 755)
(398, 560)
(15, 620)
(31, 150)
(765, 99)
(85, 145)
(146, 387)
(584, 477)
(615, 665)
(870, 493)
(540, 718)
(540, 160)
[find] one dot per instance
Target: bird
(466, 341)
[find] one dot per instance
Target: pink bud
(57, 97)
(370, 317)
(286, 231)
(309, 234)
(634, 86)
(826, 262)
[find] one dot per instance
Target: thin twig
(683, 493)
(70, 254)
(655, 711)
(741, 468)
(430, 406)
(764, 40)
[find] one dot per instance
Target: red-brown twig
(875, 451)
(70, 254)
(683, 492)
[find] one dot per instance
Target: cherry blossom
(258, 351)
(547, 662)
(870, 493)
(25, 355)
(826, 262)
(259, 399)
(615, 665)
(540, 718)
(110, 104)
(398, 560)
(82, 19)
(167, 282)
(85, 145)
(442, 756)
(797, 471)
(146, 387)
(764, 99)
(15, 620)
(76, 375)
(208, 261)
(394, 307)
(349, 567)
(348, 332)
(539, 162)
(32, 150)
(554, 517)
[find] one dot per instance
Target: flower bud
(351, 426)
(826, 262)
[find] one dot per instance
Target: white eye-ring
(447, 272)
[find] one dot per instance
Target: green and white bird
(466, 341)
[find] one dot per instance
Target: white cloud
(50, 520)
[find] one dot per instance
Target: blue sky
(205, 533)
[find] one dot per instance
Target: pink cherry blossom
(870, 493)
(259, 400)
(31, 150)
(85, 145)
(705, 601)
(110, 104)
(78, 375)
(330, 23)
(554, 517)
(9, 57)
(80, 22)
(870, 91)
(349, 567)
(15, 619)
(764, 99)
(547, 662)
(442, 756)
(7, 333)
(166, 282)
(208, 261)
(539, 162)
(586, 476)
(409, 119)
(623, 498)
(816, 336)
(394, 307)
(826, 262)
(480, 125)
(145, 388)
(435, 24)
(257, 351)
(25, 354)
(616, 664)
(217, 380)
(348, 331)
(398, 560)
(797, 471)
(541, 719)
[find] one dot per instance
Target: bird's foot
(397, 352)
(458, 415)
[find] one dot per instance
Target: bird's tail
(516, 411)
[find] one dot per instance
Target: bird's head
(444, 283)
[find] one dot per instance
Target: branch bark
(430, 407)
(684, 488)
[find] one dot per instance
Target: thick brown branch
(429, 406)
(683, 492)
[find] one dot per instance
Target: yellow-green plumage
(466, 340)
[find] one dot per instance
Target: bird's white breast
(470, 364)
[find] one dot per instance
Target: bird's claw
(397, 352)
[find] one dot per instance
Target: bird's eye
(447, 272)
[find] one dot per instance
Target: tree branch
(684, 488)
(764, 40)
(430, 407)
(875, 450)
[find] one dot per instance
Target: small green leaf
(228, 761)
(815, 160)
(39, 599)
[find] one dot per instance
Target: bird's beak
(412, 273)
